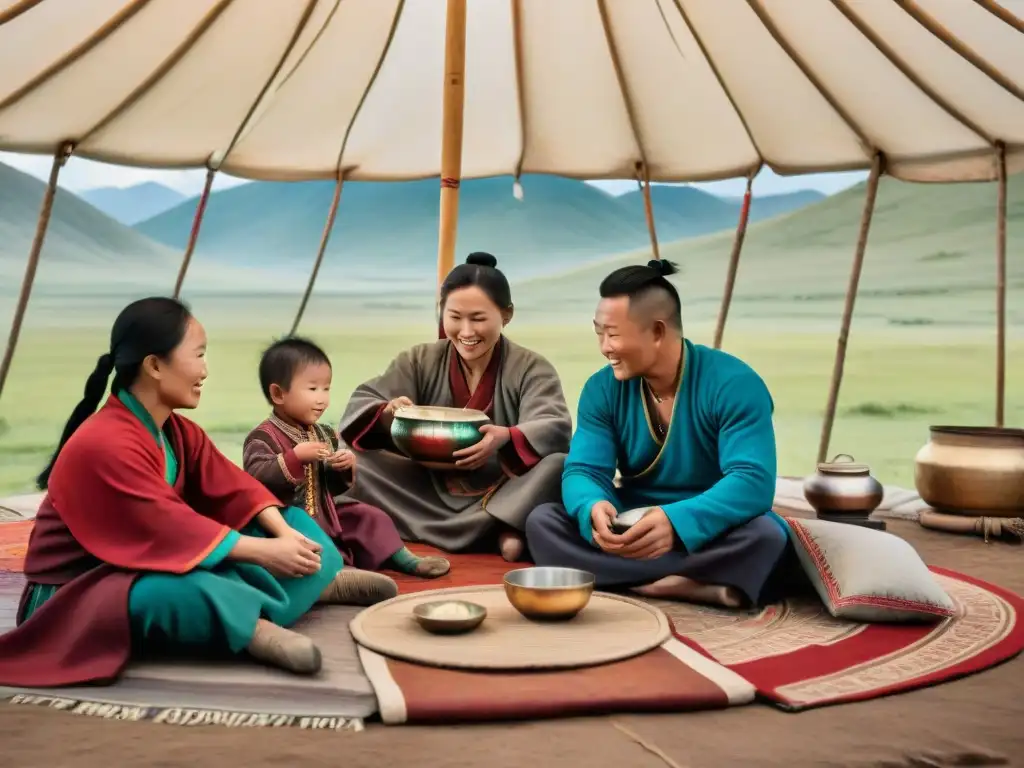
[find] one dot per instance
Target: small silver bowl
(622, 523)
(431, 616)
(548, 593)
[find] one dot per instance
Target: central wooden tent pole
(60, 158)
(851, 298)
(451, 135)
(332, 214)
(644, 179)
(197, 222)
(1001, 286)
(734, 262)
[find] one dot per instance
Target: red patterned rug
(13, 542)
(794, 653)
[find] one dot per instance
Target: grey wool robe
(455, 511)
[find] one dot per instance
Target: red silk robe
(110, 515)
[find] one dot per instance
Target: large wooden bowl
(430, 434)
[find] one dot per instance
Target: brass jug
(844, 491)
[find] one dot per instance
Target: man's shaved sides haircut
(651, 296)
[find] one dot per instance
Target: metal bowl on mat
(549, 594)
(430, 434)
(449, 617)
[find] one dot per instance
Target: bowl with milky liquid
(449, 617)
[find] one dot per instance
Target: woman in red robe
(149, 537)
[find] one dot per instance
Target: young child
(300, 462)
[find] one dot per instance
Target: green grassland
(921, 350)
(897, 382)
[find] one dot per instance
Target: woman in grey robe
(518, 464)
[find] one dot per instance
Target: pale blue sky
(80, 175)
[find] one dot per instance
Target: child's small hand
(309, 452)
(342, 460)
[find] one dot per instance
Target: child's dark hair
(286, 357)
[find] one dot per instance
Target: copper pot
(844, 491)
(972, 471)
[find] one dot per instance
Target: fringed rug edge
(183, 716)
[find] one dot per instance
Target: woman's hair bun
(482, 259)
(663, 267)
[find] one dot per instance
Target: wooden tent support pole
(645, 186)
(451, 135)
(61, 157)
(851, 298)
(734, 263)
(332, 214)
(197, 222)
(1001, 286)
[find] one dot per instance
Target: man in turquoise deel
(690, 431)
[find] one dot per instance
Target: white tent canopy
(692, 89)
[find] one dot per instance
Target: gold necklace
(309, 471)
(675, 382)
(654, 395)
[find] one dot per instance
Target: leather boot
(283, 648)
(353, 586)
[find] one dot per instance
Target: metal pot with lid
(843, 491)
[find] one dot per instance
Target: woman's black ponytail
(95, 389)
(153, 326)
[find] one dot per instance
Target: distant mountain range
(684, 211)
(384, 231)
(130, 205)
(390, 230)
(81, 242)
(930, 260)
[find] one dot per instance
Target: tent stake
(197, 222)
(451, 135)
(734, 263)
(1001, 286)
(60, 157)
(332, 214)
(851, 298)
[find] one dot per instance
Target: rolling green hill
(930, 260)
(392, 228)
(130, 205)
(684, 211)
(82, 244)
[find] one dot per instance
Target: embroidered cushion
(864, 574)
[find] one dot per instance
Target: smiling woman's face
(180, 377)
(473, 322)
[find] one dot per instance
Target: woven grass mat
(610, 628)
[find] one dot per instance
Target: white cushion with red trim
(867, 575)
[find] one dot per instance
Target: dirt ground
(977, 721)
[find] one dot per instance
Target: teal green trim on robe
(218, 604)
(221, 551)
(38, 594)
(716, 469)
(140, 412)
(220, 607)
